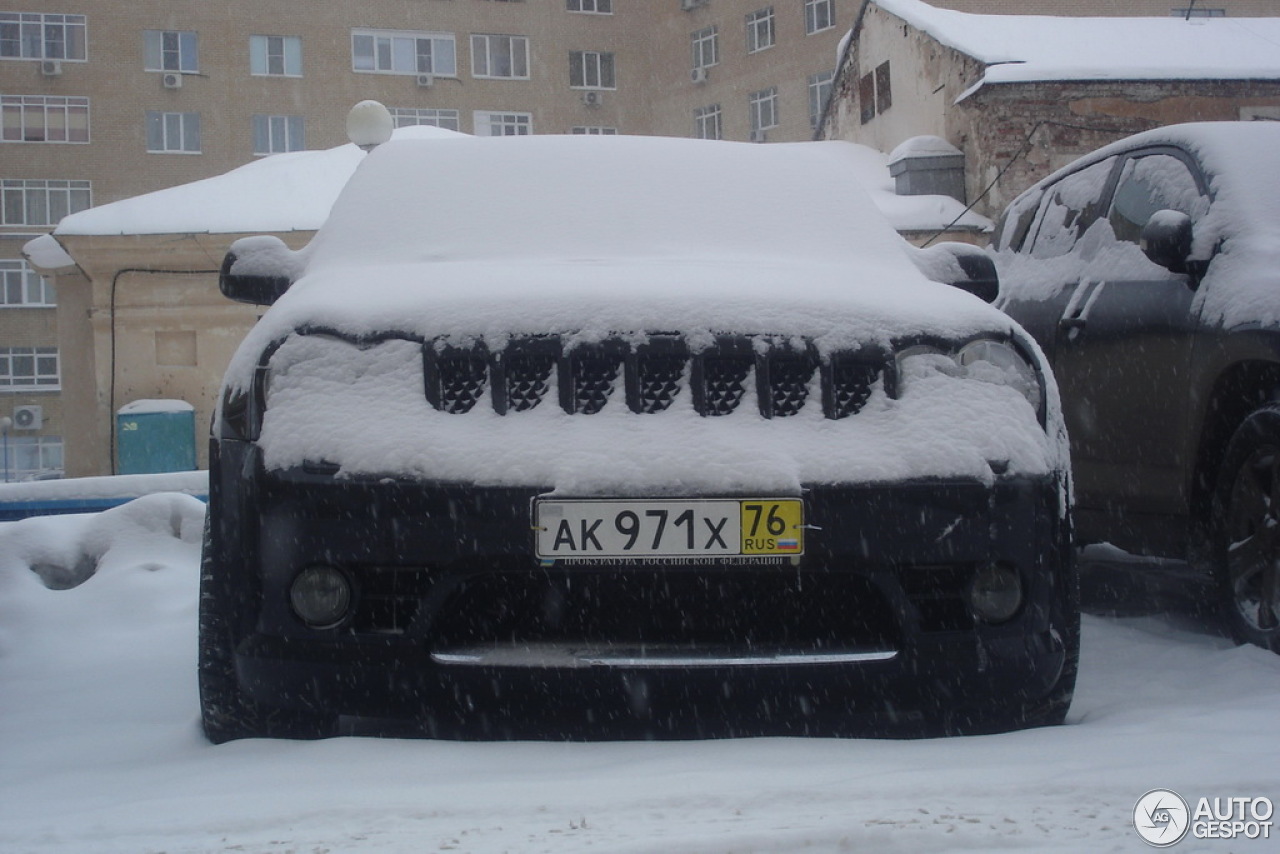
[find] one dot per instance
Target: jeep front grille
(649, 376)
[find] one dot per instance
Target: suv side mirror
(980, 277)
(1166, 240)
(258, 270)
(962, 266)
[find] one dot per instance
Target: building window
(22, 287)
(819, 15)
(595, 7)
(403, 52)
(764, 112)
(44, 118)
(760, 30)
(173, 132)
(275, 56)
(706, 122)
(502, 124)
(884, 94)
(29, 457)
(278, 134)
(706, 48)
(819, 92)
(581, 130)
(589, 69)
(866, 97)
(29, 368)
(26, 201)
(410, 116)
(1194, 12)
(171, 50)
(875, 94)
(500, 56)
(36, 35)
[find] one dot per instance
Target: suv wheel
(226, 713)
(1246, 530)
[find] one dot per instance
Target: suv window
(1153, 183)
(1013, 226)
(1068, 209)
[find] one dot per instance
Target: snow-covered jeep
(612, 436)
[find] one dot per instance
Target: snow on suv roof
(476, 236)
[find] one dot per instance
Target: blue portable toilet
(155, 436)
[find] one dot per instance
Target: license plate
(747, 527)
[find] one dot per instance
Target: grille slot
(594, 374)
(527, 380)
(789, 384)
(659, 378)
(724, 382)
(848, 385)
(456, 378)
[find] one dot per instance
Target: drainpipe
(844, 63)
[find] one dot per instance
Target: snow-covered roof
(46, 252)
(294, 192)
(1029, 48)
(283, 192)
(148, 407)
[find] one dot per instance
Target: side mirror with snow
(1166, 240)
(980, 277)
(962, 266)
(258, 270)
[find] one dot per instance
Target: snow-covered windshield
(585, 198)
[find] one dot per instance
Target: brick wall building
(1021, 96)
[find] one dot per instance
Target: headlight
(997, 362)
(983, 360)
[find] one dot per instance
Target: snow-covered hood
(591, 236)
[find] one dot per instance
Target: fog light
(996, 593)
(320, 595)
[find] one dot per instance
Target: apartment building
(101, 101)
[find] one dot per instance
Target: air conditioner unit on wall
(759, 136)
(171, 81)
(698, 75)
(426, 80)
(591, 99)
(51, 67)
(28, 417)
(687, 5)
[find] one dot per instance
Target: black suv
(1149, 271)
(619, 435)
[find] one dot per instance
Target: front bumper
(456, 623)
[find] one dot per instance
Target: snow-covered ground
(100, 747)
